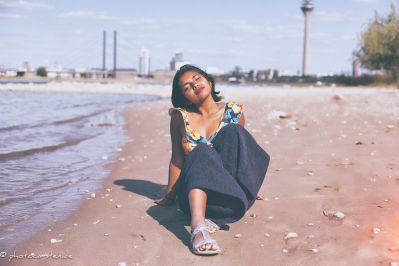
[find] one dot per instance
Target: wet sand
(333, 180)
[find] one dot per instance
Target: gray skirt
(231, 173)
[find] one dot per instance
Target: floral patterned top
(232, 113)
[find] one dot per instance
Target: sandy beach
(330, 193)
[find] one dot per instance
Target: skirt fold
(231, 173)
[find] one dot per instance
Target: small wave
(17, 154)
(80, 117)
(58, 122)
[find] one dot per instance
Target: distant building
(264, 75)
(177, 61)
(144, 63)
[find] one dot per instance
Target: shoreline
(316, 167)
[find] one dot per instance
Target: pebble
(310, 173)
(106, 234)
(267, 235)
(104, 157)
(122, 263)
(394, 263)
(290, 235)
(299, 162)
(310, 224)
(118, 206)
(93, 195)
(390, 126)
(270, 217)
(314, 250)
(54, 241)
(111, 200)
(75, 224)
(96, 221)
(108, 190)
(122, 159)
(253, 215)
(285, 250)
(237, 235)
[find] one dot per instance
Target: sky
(252, 34)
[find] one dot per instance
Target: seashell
(237, 235)
(290, 235)
(376, 230)
(267, 235)
(106, 234)
(122, 159)
(96, 221)
(299, 162)
(93, 195)
(104, 157)
(338, 215)
(394, 263)
(108, 190)
(54, 241)
(122, 263)
(310, 173)
(118, 206)
(75, 224)
(390, 126)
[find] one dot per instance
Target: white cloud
(23, 4)
(103, 16)
(11, 16)
(87, 15)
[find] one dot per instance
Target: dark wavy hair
(178, 99)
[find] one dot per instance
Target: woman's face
(195, 87)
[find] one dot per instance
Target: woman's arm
(241, 121)
(177, 158)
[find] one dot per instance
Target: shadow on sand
(169, 217)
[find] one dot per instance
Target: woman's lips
(198, 89)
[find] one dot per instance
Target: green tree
(379, 48)
(41, 72)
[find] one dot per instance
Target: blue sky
(254, 34)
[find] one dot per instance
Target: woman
(216, 168)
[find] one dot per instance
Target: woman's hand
(167, 200)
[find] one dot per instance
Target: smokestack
(114, 53)
(104, 45)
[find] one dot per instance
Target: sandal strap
(212, 224)
(207, 239)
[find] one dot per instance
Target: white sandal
(207, 239)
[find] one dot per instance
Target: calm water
(53, 147)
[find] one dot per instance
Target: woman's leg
(197, 200)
